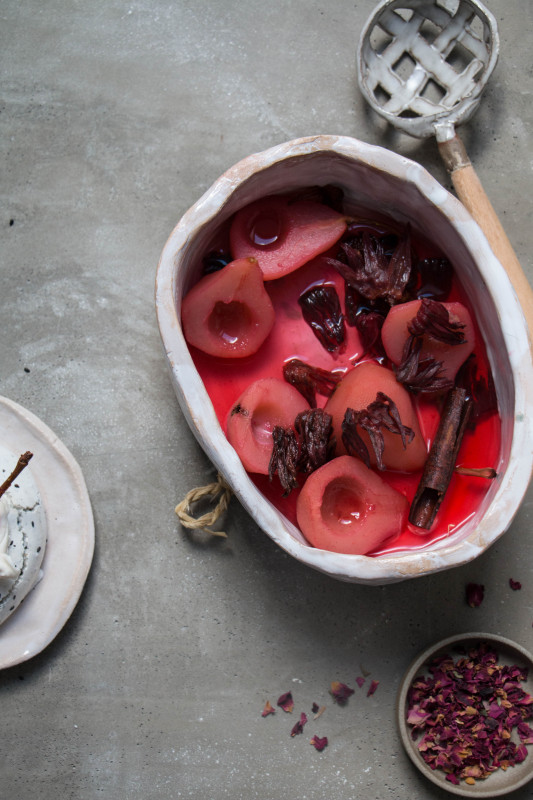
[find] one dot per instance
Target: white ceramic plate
(502, 782)
(70, 546)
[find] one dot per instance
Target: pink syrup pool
(291, 337)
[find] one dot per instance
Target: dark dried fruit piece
(371, 272)
(369, 324)
(381, 414)
(432, 319)
(421, 375)
(284, 458)
(321, 310)
(314, 432)
(310, 380)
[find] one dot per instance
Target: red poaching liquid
(291, 337)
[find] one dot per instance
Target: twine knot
(218, 490)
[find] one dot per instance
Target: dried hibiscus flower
(382, 413)
(420, 375)
(369, 324)
(286, 702)
(340, 692)
(299, 727)
(474, 594)
(268, 709)
(433, 320)
(371, 272)
(310, 380)
(319, 743)
(284, 458)
(464, 714)
(321, 310)
(314, 429)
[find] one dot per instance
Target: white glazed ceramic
(376, 179)
(70, 528)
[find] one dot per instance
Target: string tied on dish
(220, 492)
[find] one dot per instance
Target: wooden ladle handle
(471, 193)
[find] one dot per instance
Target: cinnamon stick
(23, 462)
(441, 460)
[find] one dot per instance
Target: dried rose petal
(314, 708)
(319, 743)
(340, 692)
(268, 709)
(515, 585)
(474, 594)
(372, 688)
(299, 727)
(463, 714)
(360, 681)
(286, 702)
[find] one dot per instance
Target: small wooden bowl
(380, 181)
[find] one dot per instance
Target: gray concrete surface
(115, 117)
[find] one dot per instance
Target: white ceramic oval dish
(378, 180)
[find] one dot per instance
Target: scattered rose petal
(314, 708)
(515, 585)
(474, 594)
(319, 743)
(360, 681)
(372, 688)
(340, 692)
(286, 702)
(298, 728)
(268, 709)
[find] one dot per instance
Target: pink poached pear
(266, 403)
(229, 313)
(357, 390)
(344, 507)
(284, 235)
(395, 333)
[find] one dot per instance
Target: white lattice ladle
(423, 65)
